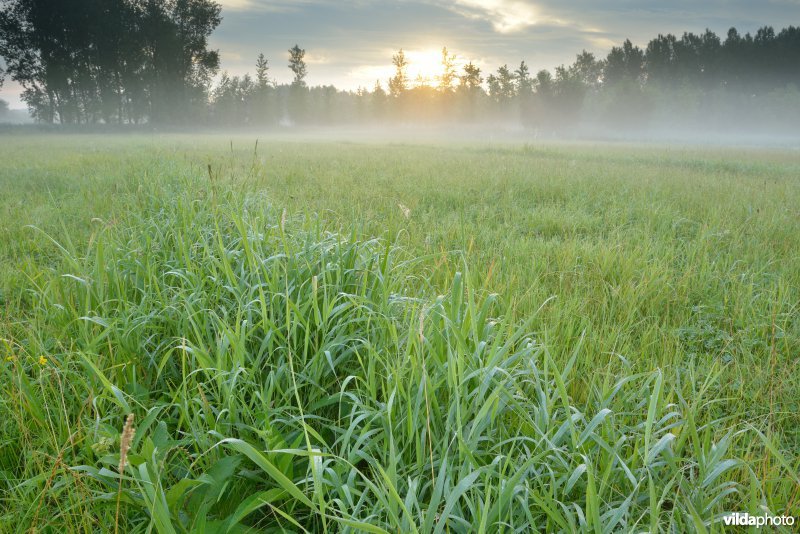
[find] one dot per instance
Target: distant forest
(149, 62)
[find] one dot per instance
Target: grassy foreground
(360, 337)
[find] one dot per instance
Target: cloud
(602, 43)
(230, 55)
(317, 57)
(236, 4)
(364, 75)
(505, 16)
(278, 6)
(512, 16)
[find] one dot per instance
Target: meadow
(346, 336)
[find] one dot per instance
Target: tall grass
(284, 377)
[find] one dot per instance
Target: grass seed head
(125, 442)
(405, 209)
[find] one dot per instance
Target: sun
(424, 67)
(425, 64)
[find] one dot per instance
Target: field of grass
(341, 337)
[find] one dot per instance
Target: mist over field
(283, 266)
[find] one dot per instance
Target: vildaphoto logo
(744, 519)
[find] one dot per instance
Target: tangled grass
(284, 378)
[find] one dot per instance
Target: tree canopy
(82, 61)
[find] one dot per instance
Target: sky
(350, 43)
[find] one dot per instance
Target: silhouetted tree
(523, 79)
(262, 72)
(234, 99)
(524, 90)
(398, 84)
(502, 89)
(298, 89)
(493, 88)
(540, 111)
(507, 81)
(297, 65)
(263, 105)
(178, 65)
(378, 99)
(570, 91)
(470, 90)
(623, 76)
(625, 63)
(471, 80)
(448, 77)
(588, 70)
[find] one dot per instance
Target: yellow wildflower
(42, 360)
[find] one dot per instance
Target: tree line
(697, 80)
(148, 61)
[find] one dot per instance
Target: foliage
(83, 61)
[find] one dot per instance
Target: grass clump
(286, 378)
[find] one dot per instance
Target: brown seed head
(125, 442)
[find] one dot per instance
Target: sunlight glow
(424, 68)
(424, 65)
